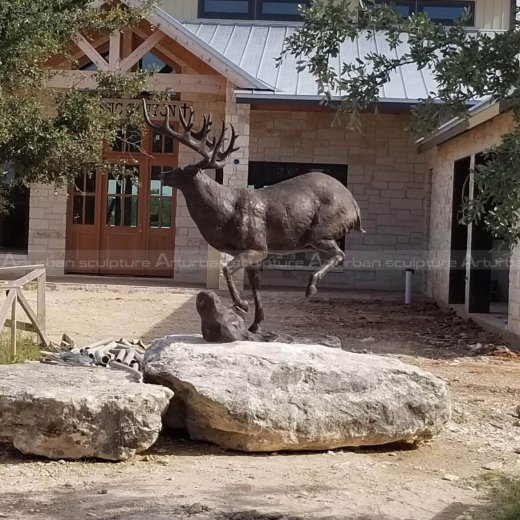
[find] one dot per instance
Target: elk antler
(212, 150)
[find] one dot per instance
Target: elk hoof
(242, 305)
(255, 327)
(311, 291)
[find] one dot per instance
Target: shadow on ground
(364, 322)
(128, 502)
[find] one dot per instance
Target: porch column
(478, 259)
(47, 228)
(513, 321)
(235, 176)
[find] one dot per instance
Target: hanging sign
(156, 109)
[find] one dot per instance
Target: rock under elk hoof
(243, 305)
(218, 322)
(253, 396)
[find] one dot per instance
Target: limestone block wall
(513, 323)
(441, 162)
(387, 177)
(47, 227)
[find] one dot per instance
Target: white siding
(181, 9)
(490, 14)
(493, 14)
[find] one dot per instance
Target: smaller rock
(69, 412)
(450, 478)
(197, 508)
(492, 466)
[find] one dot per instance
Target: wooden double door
(125, 225)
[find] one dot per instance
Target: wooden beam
(90, 51)
(7, 307)
(20, 282)
(114, 53)
(202, 83)
(143, 49)
(40, 301)
(34, 319)
(161, 48)
(13, 323)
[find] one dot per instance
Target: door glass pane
(90, 208)
(113, 186)
(90, 183)
(166, 217)
(162, 144)
(128, 141)
(155, 187)
(130, 211)
(77, 210)
(113, 211)
(160, 199)
(84, 200)
(156, 143)
(155, 208)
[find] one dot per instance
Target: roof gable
(177, 32)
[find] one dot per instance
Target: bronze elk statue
(308, 212)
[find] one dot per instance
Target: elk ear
(191, 169)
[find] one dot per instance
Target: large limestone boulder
(65, 412)
(274, 396)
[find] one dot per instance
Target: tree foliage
(52, 136)
(467, 66)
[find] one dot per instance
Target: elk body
(308, 212)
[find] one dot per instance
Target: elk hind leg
(331, 248)
(241, 261)
(253, 274)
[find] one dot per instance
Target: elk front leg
(336, 256)
(253, 274)
(241, 261)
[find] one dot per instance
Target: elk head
(213, 150)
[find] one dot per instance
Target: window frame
(202, 13)
(421, 4)
(259, 14)
(255, 11)
(418, 6)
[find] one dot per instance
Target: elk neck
(207, 200)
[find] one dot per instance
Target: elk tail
(358, 227)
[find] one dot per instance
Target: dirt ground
(179, 479)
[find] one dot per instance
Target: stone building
(468, 268)
(221, 59)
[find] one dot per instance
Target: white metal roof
(254, 46)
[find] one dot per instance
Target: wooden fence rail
(15, 296)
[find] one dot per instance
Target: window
(161, 198)
(444, 12)
(122, 203)
(151, 62)
(251, 9)
(84, 203)
(128, 141)
(268, 173)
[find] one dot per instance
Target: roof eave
(479, 114)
